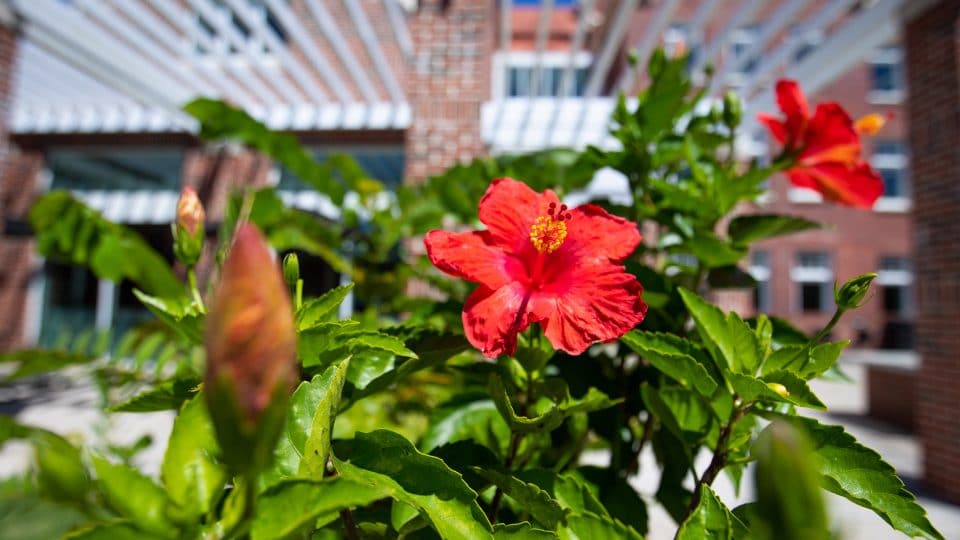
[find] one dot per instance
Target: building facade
(451, 81)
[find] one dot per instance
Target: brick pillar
(932, 43)
(447, 84)
(19, 177)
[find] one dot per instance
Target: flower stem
(719, 460)
(349, 525)
(192, 280)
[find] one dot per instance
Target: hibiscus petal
(588, 304)
(470, 256)
(831, 137)
(492, 318)
(778, 130)
(859, 186)
(792, 102)
(593, 234)
(509, 208)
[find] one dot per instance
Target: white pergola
(525, 123)
(89, 66)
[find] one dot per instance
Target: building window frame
(741, 41)
(552, 64)
(890, 57)
(892, 156)
(896, 272)
(760, 270)
(813, 267)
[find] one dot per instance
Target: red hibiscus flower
(826, 149)
(539, 261)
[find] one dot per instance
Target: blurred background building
(91, 92)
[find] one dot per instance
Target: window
(210, 40)
(741, 42)
(520, 76)
(890, 160)
(813, 275)
(760, 270)
(886, 76)
(804, 41)
(895, 279)
(381, 162)
(112, 168)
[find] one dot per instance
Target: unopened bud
(869, 124)
(188, 228)
(190, 213)
(780, 389)
(853, 293)
(732, 109)
(291, 269)
(633, 57)
(251, 352)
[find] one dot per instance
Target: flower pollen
(548, 232)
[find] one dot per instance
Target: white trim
(886, 97)
(759, 273)
(611, 44)
(895, 278)
(712, 51)
(651, 36)
(893, 205)
(803, 196)
(506, 25)
(803, 274)
(338, 43)
(400, 31)
(374, 51)
(33, 308)
(106, 303)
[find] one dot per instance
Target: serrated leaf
(674, 356)
(304, 443)
(746, 347)
(325, 343)
(587, 526)
(388, 461)
(711, 520)
(180, 315)
(750, 228)
(860, 475)
(805, 363)
(530, 497)
(162, 397)
(521, 531)
(293, 506)
(680, 410)
(593, 400)
(133, 495)
(322, 308)
(471, 415)
(798, 392)
(191, 471)
(712, 328)
(35, 361)
(111, 530)
(26, 517)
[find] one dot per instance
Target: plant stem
(349, 526)
(298, 296)
(498, 494)
(719, 460)
(192, 280)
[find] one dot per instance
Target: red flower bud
(190, 213)
(251, 351)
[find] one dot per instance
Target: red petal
(858, 186)
(594, 235)
(593, 302)
(509, 208)
(778, 130)
(830, 136)
(492, 318)
(470, 256)
(792, 102)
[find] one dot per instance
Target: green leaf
(191, 470)
(111, 530)
(61, 474)
(587, 526)
(322, 308)
(521, 531)
(67, 230)
(681, 411)
(529, 496)
(325, 343)
(746, 346)
(471, 415)
(304, 443)
(859, 474)
(711, 520)
(593, 400)
(294, 506)
(711, 251)
(799, 393)
(388, 461)
(674, 356)
(805, 363)
(750, 228)
(712, 328)
(34, 361)
(134, 496)
(31, 518)
(180, 315)
(162, 397)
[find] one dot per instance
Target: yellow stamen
(869, 124)
(547, 234)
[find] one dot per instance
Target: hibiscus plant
(511, 361)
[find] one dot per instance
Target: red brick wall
(447, 84)
(932, 40)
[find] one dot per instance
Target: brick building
(448, 81)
